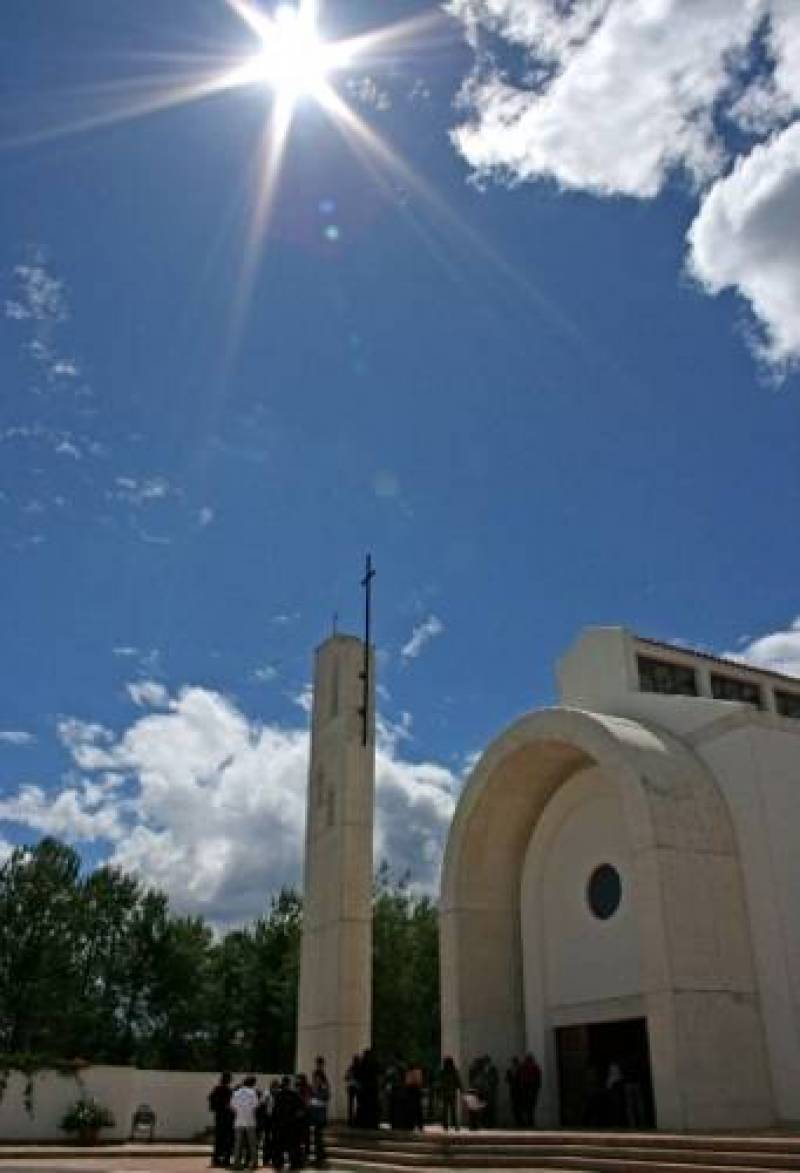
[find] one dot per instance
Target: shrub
(86, 1115)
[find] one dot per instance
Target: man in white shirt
(244, 1103)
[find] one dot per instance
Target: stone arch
(697, 967)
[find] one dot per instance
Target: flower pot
(88, 1135)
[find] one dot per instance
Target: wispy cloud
(304, 699)
(16, 737)
(366, 91)
(148, 660)
(40, 301)
(148, 694)
(422, 635)
(140, 491)
(266, 673)
(285, 618)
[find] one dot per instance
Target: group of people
(404, 1096)
(524, 1079)
(479, 1096)
(285, 1122)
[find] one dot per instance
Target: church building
(621, 890)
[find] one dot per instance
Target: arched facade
(687, 945)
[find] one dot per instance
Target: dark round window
(604, 891)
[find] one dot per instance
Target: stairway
(598, 1152)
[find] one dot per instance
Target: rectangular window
(728, 688)
(661, 676)
(787, 703)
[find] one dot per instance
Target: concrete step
(581, 1152)
(750, 1148)
(515, 1153)
(357, 1164)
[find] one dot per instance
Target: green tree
(405, 973)
(39, 924)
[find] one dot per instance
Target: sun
(293, 60)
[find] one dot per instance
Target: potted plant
(86, 1117)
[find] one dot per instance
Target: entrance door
(604, 1075)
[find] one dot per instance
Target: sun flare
(293, 59)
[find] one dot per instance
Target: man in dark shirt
(219, 1102)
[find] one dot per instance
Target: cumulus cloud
(778, 651)
(211, 806)
(747, 237)
(422, 634)
(614, 96)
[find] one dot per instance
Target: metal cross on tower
(366, 583)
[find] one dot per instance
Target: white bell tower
(335, 1002)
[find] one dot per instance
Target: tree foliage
(96, 966)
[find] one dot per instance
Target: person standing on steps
(514, 1091)
(450, 1085)
(530, 1082)
(351, 1082)
(318, 1110)
(244, 1102)
(219, 1102)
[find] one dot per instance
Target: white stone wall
(179, 1099)
(576, 967)
(757, 764)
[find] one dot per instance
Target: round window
(604, 891)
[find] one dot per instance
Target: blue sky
(542, 365)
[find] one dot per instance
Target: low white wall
(179, 1099)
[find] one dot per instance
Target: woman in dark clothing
(352, 1079)
(289, 1124)
(368, 1102)
(450, 1084)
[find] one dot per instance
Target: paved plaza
(119, 1159)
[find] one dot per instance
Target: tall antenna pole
(366, 583)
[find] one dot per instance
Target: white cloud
(211, 806)
(422, 634)
(779, 651)
(304, 699)
(148, 659)
(205, 516)
(40, 300)
(285, 618)
(16, 737)
(66, 814)
(40, 295)
(148, 694)
(266, 673)
(615, 95)
(747, 237)
(141, 492)
(624, 90)
(6, 849)
(367, 92)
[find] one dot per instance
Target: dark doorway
(604, 1075)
